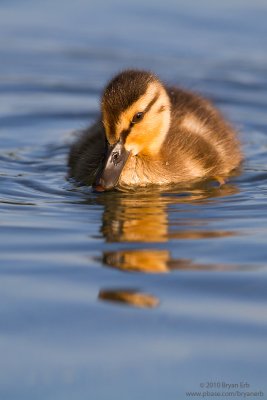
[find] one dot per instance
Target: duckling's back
(87, 153)
(200, 143)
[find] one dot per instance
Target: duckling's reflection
(129, 297)
(155, 261)
(130, 220)
(143, 217)
(147, 261)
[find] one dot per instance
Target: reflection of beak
(114, 162)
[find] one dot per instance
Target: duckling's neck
(153, 149)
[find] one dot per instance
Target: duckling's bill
(114, 162)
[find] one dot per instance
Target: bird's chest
(143, 172)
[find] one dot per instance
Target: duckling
(150, 133)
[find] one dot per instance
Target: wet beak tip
(109, 176)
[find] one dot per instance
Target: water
(128, 296)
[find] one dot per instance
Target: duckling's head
(136, 117)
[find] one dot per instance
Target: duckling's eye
(137, 117)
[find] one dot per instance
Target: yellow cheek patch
(139, 106)
(143, 135)
(147, 136)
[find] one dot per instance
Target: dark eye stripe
(125, 133)
(153, 101)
